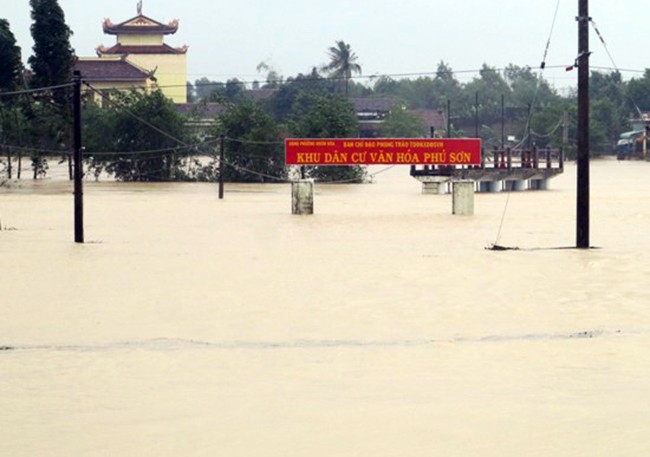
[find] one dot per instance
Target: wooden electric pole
(222, 164)
(582, 203)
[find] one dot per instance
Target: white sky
(393, 37)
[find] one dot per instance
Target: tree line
(143, 137)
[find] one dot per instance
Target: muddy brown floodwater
(380, 326)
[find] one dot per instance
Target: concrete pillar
(538, 184)
(463, 198)
(517, 185)
(302, 196)
(434, 188)
(489, 186)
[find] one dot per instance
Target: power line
(32, 149)
(135, 116)
(37, 89)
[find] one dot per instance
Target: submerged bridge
(500, 169)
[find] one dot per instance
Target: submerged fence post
(302, 196)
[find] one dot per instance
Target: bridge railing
(501, 159)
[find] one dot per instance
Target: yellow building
(140, 42)
(110, 74)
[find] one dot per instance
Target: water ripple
(178, 344)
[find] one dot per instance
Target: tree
(53, 57)
(609, 110)
(282, 102)
(402, 123)
(638, 93)
(273, 78)
(254, 150)
(11, 70)
(232, 92)
(318, 116)
(343, 62)
(149, 147)
(51, 63)
(11, 79)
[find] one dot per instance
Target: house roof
(261, 94)
(110, 70)
(139, 25)
(432, 118)
(375, 104)
(141, 49)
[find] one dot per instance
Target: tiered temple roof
(140, 25)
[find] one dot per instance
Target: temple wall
(171, 72)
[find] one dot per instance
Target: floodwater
(380, 326)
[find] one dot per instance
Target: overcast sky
(390, 37)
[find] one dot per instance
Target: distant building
(111, 74)
(139, 59)
(371, 114)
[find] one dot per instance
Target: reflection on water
(378, 326)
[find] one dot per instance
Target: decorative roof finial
(139, 7)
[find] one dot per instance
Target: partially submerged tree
(141, 137)
(254, 149)
(51, 64)
(318, 116)
(11, 79)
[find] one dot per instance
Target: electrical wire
(132, 114)
(529, 118)
(548, 42)
(37, 89)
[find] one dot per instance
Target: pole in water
(221, 165)
(582, 201)
(77, 159)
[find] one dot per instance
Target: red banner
(391, 151)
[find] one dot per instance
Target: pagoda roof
(139, 25)
(122, 49)
(95, 70)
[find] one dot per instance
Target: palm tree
(343, 62)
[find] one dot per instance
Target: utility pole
(77, 159)
(503, 121)
(476, 121)
(222, 165)
(582, 201)
(448, 118)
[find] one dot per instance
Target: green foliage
(273, 77)
(319, 116)
(51, 65)
(53, 57)
(134, 149)
(254, 150)
(342, 64)
(282, 103)
(11, 70)
(402, 123)
(638, 93)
